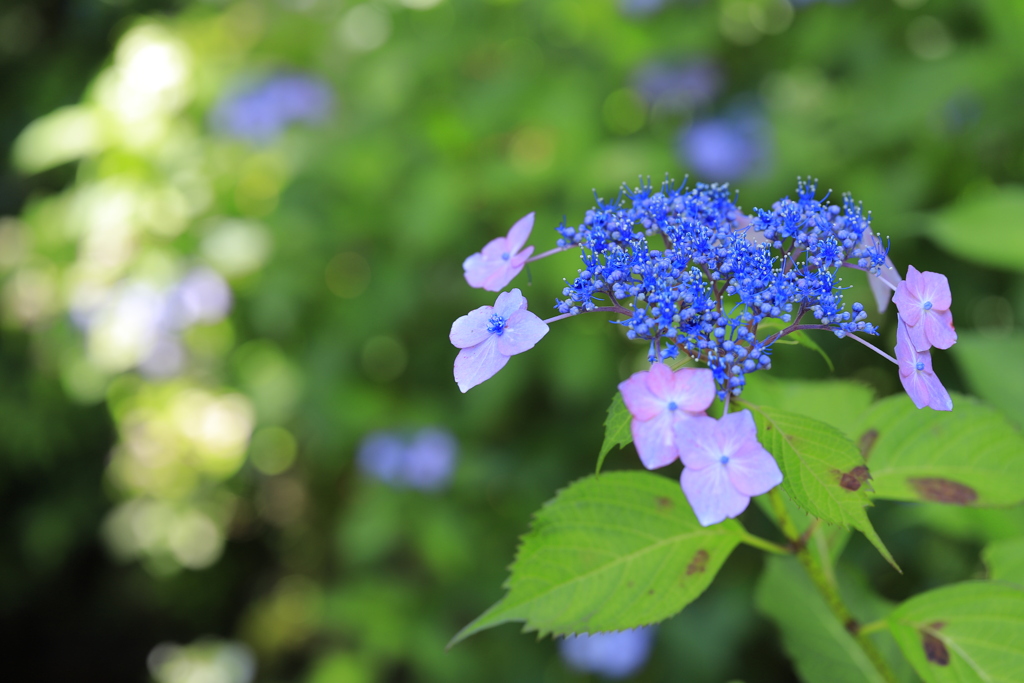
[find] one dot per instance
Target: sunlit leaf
(968, 456)
(965, 632)
(616, 428)
(823, 472)
(839, 403)
(992, 366)
(610, 553)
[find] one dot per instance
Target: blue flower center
(724, 460)
(927, 305)
(496, 325)
(506, 256)
(672, 405)
(920, 366)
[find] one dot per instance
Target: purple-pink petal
(922, 385)
(641, 403)
(939, 330)
(655, 440)
(520, 232)
(699, 442)
(523, 329)
(660, 382)
(711, 495)
(471, 329)
(693, 389)
(908, 306)
(753, 470)
(478, 363)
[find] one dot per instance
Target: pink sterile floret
(658, 400)
(923, 301)
(490, 334)
(725, 465)
(916, 373)
(501, 260)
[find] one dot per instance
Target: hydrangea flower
(501, 259)
(489, 335)
(659, 400)
(613, 654)
(725, 148)
(260, 113)
(425, 463)
(916, 373)
(923, 301)
(724, 465)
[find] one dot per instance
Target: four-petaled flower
(725, 465)
(923, 301)
(916, 373)
(501, 259)
(490, 334)
(659, 400)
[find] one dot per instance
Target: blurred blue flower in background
(616, 654)
(640, 7)
(679, 87)
(725, 148)
(426, 462)
(259, 113)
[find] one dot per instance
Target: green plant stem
(764, 544)
(869, 628)
(828, 589)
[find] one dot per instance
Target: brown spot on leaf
(650, 592)
(935, 650)
(852, 626)
(943, 490)
(852, 480)
(663, 502)
(698, 563)
(629, 584)
(867, 442)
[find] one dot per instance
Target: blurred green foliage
(223, 501)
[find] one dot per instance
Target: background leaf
(822, 650)
(607, 554)
(986, 362)
(970, 456)
(1005, 560)
(965, 632)
(616, 428)
(839, 403)
(823, 471)
(987, 228)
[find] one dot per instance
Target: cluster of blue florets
(702, 278)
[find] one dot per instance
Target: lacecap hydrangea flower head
(710, 287)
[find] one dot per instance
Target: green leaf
(616, 428)
(969, 456)
(992, 366)
(799, 337)
(821, 648)
(823, 472)
(965, 632)
(1005, 560)
(610, 553)
(839, 403)
(987, 228)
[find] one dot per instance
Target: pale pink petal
(906, 355)
(508, 303)
(934, 287)
(471, 329)
(478, 364)
(642, 404)
(753, 470)
(926, 391)
(501, 274)
(882, 291)
(699, 442)
(522, 330)
(737, 429)
(520, 232)
(938, 328)
(907, 304)
(915, 284)
(495, 249)
(917, 335)
(660, 381)
(477, 270)
(711, 494)
(693, 389)
(520, 259)
(655, 440)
